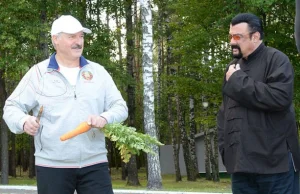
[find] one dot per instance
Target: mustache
(235, 47)
(77, 46)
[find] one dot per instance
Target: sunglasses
(237, 37)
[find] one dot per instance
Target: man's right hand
(232, 68)
(31, 126)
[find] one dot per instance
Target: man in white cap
(70, 89)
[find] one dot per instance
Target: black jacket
(256, 121)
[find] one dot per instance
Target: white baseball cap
(67, 24)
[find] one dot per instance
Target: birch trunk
(154, 171)
(193, 131)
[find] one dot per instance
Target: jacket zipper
(74, 89)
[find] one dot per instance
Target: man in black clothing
(258, 138)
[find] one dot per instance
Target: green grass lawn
(169, 183)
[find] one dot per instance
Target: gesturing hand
(232, 68)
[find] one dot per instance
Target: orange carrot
(81, 128)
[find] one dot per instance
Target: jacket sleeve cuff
(107, 117)
(21, 124)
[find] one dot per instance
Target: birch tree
(192, 142)
(154, 172)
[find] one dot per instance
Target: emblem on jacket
(87, 75)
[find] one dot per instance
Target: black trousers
(88, 180)
(281, 183)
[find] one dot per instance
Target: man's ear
(256, 36)
(54, 38)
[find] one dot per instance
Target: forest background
(190, 53)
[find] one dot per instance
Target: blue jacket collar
(54, 65)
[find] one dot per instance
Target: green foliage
(19, 30)
(128, 141)
(199, 34)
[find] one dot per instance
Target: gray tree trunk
(130, 63)
(107, 16)
(12, 155)
(154, 171)
(44, 36)
(4, 153)
(193, 131)
(160, 46)
(4, 133)
(184, 139)
(207, 154)
(119, 34)
(137, 38)
(124, 171)
(98, 13)
(174, 135)
(132, 165)
(212, 158)
(133, 178)
(24, 157)
(175, 142)
(31, 158)
(216, 175)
